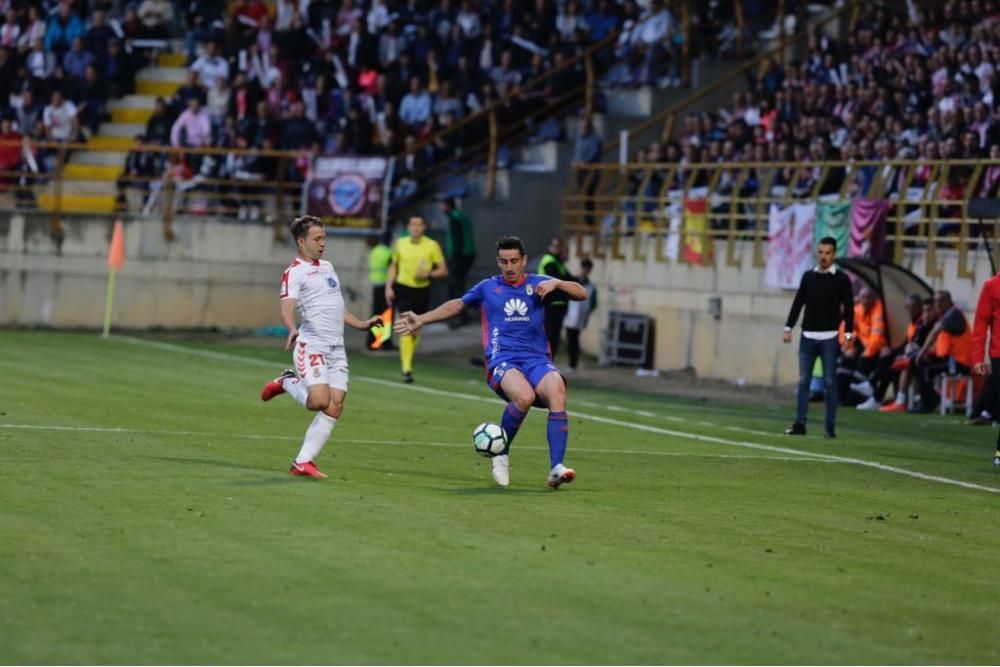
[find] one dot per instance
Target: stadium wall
(214, 274)
(745, 341)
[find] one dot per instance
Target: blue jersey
(513, 318)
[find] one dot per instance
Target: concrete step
(80, 171)
(140, 116)
(99, 158)
(542, 157)
(116, 129)
(172, 59)
(133, 102)
(156, 88)
(634, 102)
(78, 203)
(175, 74)
(103, 142)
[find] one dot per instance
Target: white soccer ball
(489, 439)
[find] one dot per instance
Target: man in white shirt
(311, 286)
(60, 119)
(211, 66)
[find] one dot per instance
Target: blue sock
(511, 422)
(558, 433)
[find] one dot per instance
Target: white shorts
(321, 364)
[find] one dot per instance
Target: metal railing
(612, 208)
(48, 182)
(475, 139)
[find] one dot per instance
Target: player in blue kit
(518, 364)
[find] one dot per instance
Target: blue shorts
(533, 369)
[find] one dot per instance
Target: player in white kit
(319, 381)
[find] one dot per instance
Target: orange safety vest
(959, 347)
(870, 328)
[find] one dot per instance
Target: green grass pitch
(146, 516)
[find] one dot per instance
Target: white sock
(297, 389)
(316, 436)
(901, 397)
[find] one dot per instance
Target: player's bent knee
(524, 400)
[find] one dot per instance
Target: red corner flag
(116, 252)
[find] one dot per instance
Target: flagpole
(108, 302)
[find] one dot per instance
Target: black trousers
(554, 316)
(573, 346)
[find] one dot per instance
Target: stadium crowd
(907, 83)
(320, 76)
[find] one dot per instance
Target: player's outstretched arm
(409, 322)
(573, 290)
(362, 325)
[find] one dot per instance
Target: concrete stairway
(89, 176)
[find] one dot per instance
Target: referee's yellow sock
(407, 348)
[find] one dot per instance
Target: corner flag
(116, 260)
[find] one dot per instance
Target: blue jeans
(827, 350)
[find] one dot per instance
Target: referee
(416, 259)
(828, 298)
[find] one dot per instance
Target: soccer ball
(489, 439)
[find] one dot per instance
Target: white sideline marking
(364, 441)
(603, 420)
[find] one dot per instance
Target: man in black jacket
(828, 298)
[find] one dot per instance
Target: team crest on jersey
(529, 290)
(331, 282)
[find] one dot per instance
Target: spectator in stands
(142, 166)
(10, 155)
(91, 97)
(28, 116)
(951, 339)
(98, 34)
(76, 60)
(157, 17)
(211, 66)
(60, 119)
(416, 106)
(118, 70)
(62, 29)
(159, 124)
(588, 150)
(193, 128)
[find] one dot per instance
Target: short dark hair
(511, 243)
(586, 263)
(828, 240)
(302, 224)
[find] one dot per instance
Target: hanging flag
(834, 219)
(696, 249)
(868, 222)
(778, 268)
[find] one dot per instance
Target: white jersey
(316, 287)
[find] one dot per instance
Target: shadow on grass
(217, 463)
(494, 490)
